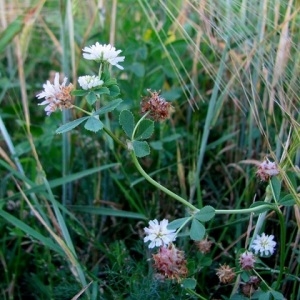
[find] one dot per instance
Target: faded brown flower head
(251, 286)
(225, 274)
(159, 109)
(247, 260)
(204, 245)
(57, 96)
(266, 170)
(170, 262)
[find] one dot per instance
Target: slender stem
(264, 282)
(114, 137)
(188, 220)
(83, 110)
(241, 211)
(192, 292)
(159, 186)
(282, 247)
(138, 124)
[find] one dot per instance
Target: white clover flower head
(88, 82)
(158, 234)
(264, 244)
(104, 53)
(56, 95)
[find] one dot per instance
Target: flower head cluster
(57, 96)
(158, 234)
(159, 109)
(247, 260)
(104, 54)
(170, 262)
(266, 170)
(225, 273)
(264, 244)
(88, 82)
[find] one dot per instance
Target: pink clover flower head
(158, 234)
(247, 260)
(170, 262)
(267, 169)
(104, 53)
(57, 96)
(263, 245)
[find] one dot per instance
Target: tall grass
(73, 206)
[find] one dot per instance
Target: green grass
(73, 206)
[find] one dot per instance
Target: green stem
(263, 281)
(104, 128)
(192, 292)
(83, 110)
(188, 220)
(114, 137)
(159, 186)
(138, 124)
(282, 247)
(241, 211)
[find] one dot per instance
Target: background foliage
(230, 69)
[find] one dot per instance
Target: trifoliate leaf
(69, 126)
(107, 108)
(141, 148)
(276, 187)
(93, 124)
(205, 214)
(189, 283)
(177, 223)
(145, 130)
(101, 91)
(114, 90)
(79, 92)
(110, 81)
(287, 200)
(126, 120)
(197, 231)
(91, 98)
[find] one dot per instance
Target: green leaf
(138, 69)
(79, 92)
(30, 231)
(276, 187)
(141, 148)
(126, 120)
(107, 108)
(101, 91)
(7, 35)
(114, 90)
(205, 214)
(238, 297)
(197, 231)
(189, 283)
(69, 126)
(287, 200)
(157, 145)
(104, 211)
(264, 295)
(91, 98)
(110, 81)
(145, 130)
(177, 223)
(277, 295)
(93, 124)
